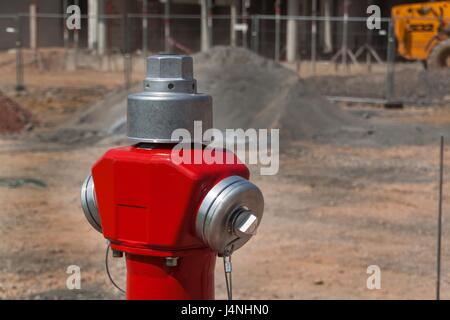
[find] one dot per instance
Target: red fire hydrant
(170, 219)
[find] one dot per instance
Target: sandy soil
(330, 213)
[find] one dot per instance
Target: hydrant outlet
(230, 214)
(89, 203)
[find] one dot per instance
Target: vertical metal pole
(101, 28)
(327, 38)
(292, 31)
(441, 179)
(255, 33)
(144, 28)
(244, 21)
(76, 39)
(65, 30)
(368, 44)
(33, 29)
(277, 30)
(124, 45)
(205, 25)
(389, 90)
(19, 58)
(210, 23)
(126, 56)
(314, 36)
(233, 20)
(439, 231)
(93, 24)
(345, 35)
(167, 46)
(368, 55)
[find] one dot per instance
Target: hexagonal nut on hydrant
(169, 66)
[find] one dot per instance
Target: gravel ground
(413, 84)
(330, 213)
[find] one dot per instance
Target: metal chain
(107, 269)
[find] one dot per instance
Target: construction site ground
(333, 209)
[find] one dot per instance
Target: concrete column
(206, 25)
(326, 10)
(101, 31)
(33, 27)
(292, 32)
(233, 21)
(92, 24)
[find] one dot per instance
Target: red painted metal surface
(149, 278)
(148, 206)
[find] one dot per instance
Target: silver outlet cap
(230, 214)
(89, 204)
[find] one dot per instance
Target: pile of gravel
(250, 91)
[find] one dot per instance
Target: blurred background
(360, 112)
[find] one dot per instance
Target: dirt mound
(13, 117)
(253, 92)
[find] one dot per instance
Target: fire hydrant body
(170, 219)
(148, 207)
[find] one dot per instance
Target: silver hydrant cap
(169, 101)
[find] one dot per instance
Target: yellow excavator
(423, 32)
